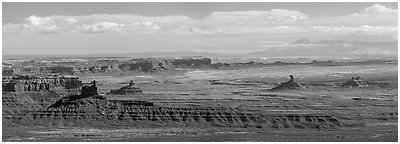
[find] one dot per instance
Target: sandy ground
(374, 134)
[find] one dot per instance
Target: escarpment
(32, 83)
(91, 109)
(96, 110)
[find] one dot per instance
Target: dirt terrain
(226, 104)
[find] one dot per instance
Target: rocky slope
(98, 111)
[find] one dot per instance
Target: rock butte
(289, 85)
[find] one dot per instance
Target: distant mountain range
(157, 54)
(139, 55)
(301, 47)
(305, 47)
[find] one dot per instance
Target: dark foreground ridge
(90, 109)
(97, 109)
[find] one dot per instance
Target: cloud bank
(280, 15)
(373, 20)
(377, 9)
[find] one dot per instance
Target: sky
(101, 28)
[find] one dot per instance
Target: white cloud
(189, 29)
(130, 18)
(109, 27)
(53, 24)
(147, 25)
(71, 20)
(100, 27)
(41, 24)
(272, 15)
(377, 9)
(85, 24)
(380, 21)
(35, 21)
(260, 29)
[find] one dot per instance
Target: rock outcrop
(355, 82)
(192, 63)
(7, 72)
(91, 109)
(98, 111)
(289, 85)
(61, 70)
(130, 89)
(140, 65)
(25, 83)
(89, 90)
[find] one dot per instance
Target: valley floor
(363, 114)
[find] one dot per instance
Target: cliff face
(192, 63)
(61, 70)
(144, 66)
(35, 83)
(109, 66)
(99, 112)
(152, 65)
(90, 109)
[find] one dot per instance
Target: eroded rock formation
(355, 82)
(89, 90)
(192, 63)
(98, 111)
(291, 84)
(24, 83)
(61, 70)
(140, 65)
(130, 89)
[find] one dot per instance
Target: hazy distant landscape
(323, 49)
